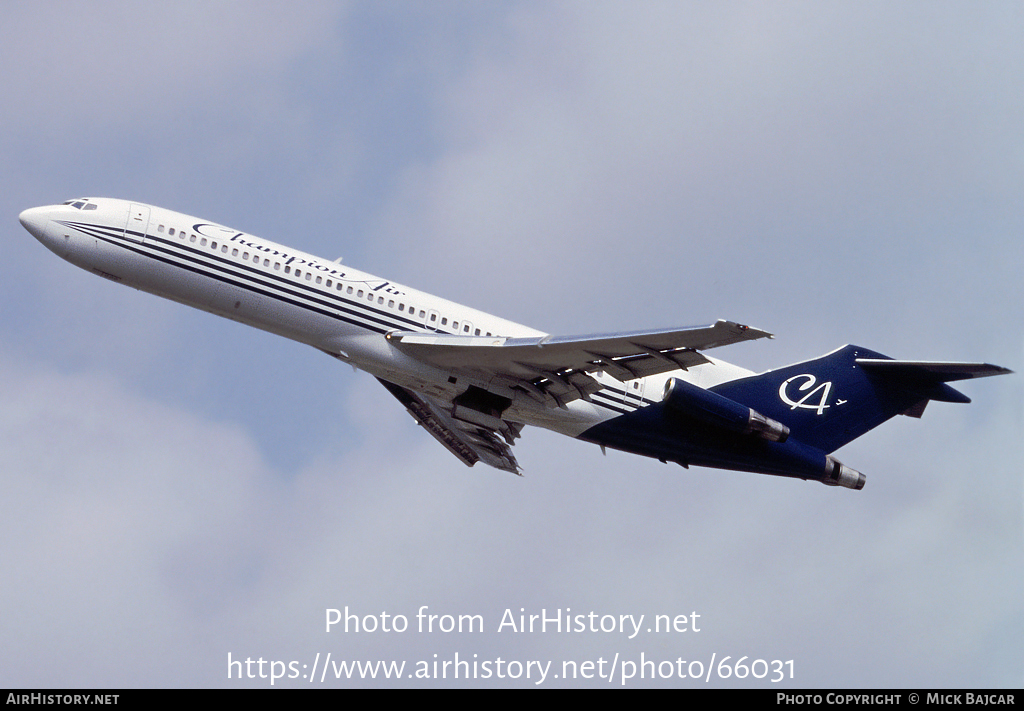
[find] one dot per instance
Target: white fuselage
(330, 306)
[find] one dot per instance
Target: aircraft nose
(36, 220)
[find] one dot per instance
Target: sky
(179, 492)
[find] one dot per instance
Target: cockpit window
(81, 204)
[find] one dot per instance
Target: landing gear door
(138, 222)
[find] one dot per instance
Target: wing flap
(470, 442)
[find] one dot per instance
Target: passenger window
(213, 244)
(433, 317)
(234, 252)
(477, 333)
(277, 266)
(203, 242)
(319, 280)
(171, 232)
(160, 228)
(391, 303)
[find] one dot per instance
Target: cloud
(691, 161)
(119, 66)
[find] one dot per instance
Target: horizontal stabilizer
(929, 377)
(939, 371)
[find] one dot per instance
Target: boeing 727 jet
(473, 380)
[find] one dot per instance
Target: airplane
(473, 380)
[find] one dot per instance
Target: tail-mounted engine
(718, 411)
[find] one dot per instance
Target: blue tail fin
(832, 400)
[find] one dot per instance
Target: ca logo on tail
(806, 402)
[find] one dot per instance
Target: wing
(469, 441)
(555, 369)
